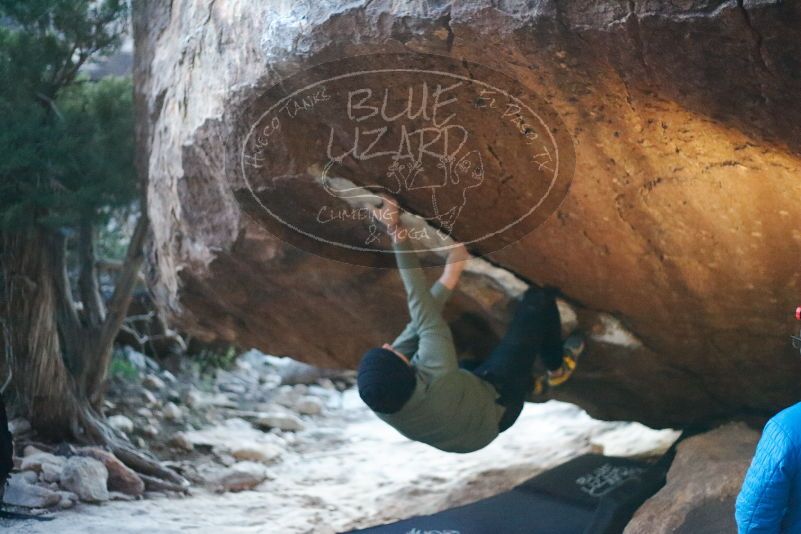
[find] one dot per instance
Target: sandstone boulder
(677, 240)
(87, 478)
(241, 476)
(42, 461)
(702, 485)
(121, 478)
(18, 492)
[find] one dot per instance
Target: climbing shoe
(573, 346)
(540, 386)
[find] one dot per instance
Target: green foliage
(113, 237)
(123, 369)
(66, 143)
(209, 360)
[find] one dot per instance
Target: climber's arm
(457, 261)
(436, 353)
(441, 291)
(407, 341)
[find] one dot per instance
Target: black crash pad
(591, 494)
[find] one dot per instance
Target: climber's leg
(551, 349)
(534, 329)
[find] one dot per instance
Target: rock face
(702, 485)
(87, 478)
(677, 241)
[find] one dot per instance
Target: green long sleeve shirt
(451, 409)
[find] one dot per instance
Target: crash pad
(590, 494)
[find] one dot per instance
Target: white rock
(18, 492)
(30, 450)
(271, 380)
(150, 399)
(634, 439)
(147, 413)
(323, 392)
(153, 383)
(169, 377)
(150, 430)
(254, 358)
(121, 423)
(193, 398)
(285, 396)
(257, 452)
(233, 387)
(86, 477)
(219, 400)
(286, 422)
(172, 412)
(309, 405)
(327, 383)
(19, 426)
(568, 317)
(241, 476)
(51, 472)
(611, 331)
(179, 440)
(26, 476)
(135, 358)
(243, 365)
(68, 499)
(223, 436)
(37, 460)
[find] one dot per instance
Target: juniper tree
(66, 163)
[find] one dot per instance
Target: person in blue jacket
(770, 499)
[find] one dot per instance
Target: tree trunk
(42, 388)
(50, 356)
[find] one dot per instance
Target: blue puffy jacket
(770, 500)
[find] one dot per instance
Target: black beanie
(385, 381)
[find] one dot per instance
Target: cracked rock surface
(677, 243)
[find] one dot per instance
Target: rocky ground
(274, 444)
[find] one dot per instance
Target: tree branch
(94, 311)
(117, 307)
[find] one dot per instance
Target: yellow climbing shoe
(573, 347)
(540, 386)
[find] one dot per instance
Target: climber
(416, 385)
(770, 499)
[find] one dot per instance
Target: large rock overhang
(679, 223)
